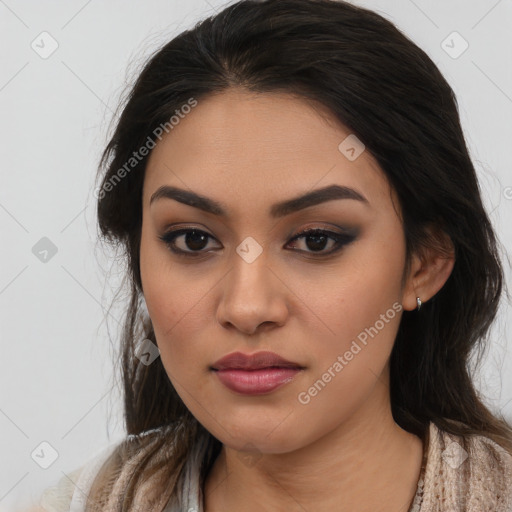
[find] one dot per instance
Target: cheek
(174, 304)
(349, 368)
(360, 310)
(363, 293)
(177, 325)
(178, 320)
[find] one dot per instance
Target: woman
(308, 249)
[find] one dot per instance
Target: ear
(429, 270)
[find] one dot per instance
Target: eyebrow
(277, 210)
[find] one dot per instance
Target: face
(241, 277)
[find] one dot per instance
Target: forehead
(240, 144)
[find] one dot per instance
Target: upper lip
(239, 360)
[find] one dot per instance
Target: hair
(389, 93)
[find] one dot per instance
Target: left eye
(318, 239)
(196, 240)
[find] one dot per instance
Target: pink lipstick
(255, 374)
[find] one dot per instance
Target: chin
(254, 445)
(258, 437)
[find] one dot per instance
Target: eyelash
(341, 240)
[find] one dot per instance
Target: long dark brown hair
(389, 93)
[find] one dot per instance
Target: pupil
(196, 240)
(318, 242)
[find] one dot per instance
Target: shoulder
(472, 471)
(70, 492)
(57, 498)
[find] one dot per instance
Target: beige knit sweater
(455, 477)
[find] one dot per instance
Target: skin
(249, 151)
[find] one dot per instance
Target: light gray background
(56, 359)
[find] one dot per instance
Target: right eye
(193, 239)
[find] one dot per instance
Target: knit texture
(475, 476)
(456, 476)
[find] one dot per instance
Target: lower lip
(256, 382)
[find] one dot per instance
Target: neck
(367, 463)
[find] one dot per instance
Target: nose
(253, 297)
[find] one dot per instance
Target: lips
(255, 374)
(257, 361)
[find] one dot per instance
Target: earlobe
(410, 291)
(429, 272)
